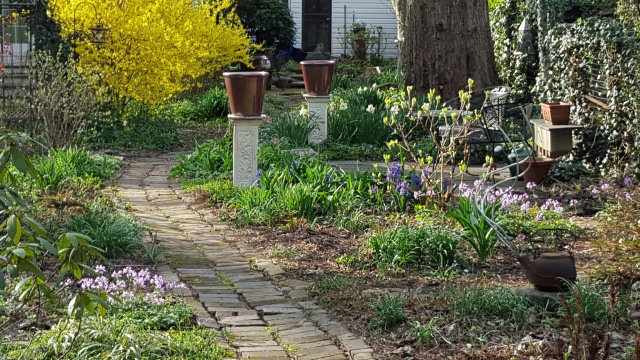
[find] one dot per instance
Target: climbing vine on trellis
(565, 46)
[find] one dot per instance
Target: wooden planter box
(556, 113)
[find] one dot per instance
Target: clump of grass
(213, 158)
(114, 232)
(389, 312)
(494, 303)
(406, 246)
(293, 128)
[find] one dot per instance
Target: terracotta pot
(535, 169)
(246, 91)
(556, 113)
(317, 76)
(549, 271)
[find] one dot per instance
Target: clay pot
(549, 271)
(246, 91)
(556, 113)
(535, 169)
(317, 76)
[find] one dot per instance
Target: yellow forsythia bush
(155, 48)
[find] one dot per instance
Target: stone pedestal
(245, 148)
(318, 109)
(553, 140)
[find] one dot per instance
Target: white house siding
(371, 12)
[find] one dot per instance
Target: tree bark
(444, 43)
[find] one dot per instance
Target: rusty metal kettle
(549, 271)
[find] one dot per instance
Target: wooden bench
(597, 90)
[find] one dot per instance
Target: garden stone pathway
(250, 301)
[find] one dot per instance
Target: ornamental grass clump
(405, 247)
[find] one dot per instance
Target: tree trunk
(446, 42)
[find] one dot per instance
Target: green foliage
(629, 11)
(116, 233)
(114, 338)
(219, 190)
(293, 129)
(423, 333)
(210, 159)
(362, 152)
(404, 246)
(332, 283)
(269, 21)
(352, 221)
(479, 233)
(494, 3)
(63, 100)
(275, 105)
(499, 303)
(608, 49)
(349, 122)
(587, 301)
(140, 129)
(24, 243)
(283, 251)
(212, 106)
(305, 188)
(147, 315)
(389, 312)
(271, 156)
(529, 221)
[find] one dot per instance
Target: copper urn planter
(246, 91)
(318, 75)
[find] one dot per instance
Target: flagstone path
(257, 310)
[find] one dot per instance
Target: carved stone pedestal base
(245, 148)
(318, 106)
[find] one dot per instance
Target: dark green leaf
(19, 160)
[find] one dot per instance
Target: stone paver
(257, 310)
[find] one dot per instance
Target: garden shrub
(63, 101)
(140, 130)
(406, 246)
(269, 21)
(210, 159)
(152, 60)
(589, 300)
(116, 233)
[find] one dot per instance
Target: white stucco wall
(371, 12)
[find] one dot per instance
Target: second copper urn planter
(317, 76)
(246, 91)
